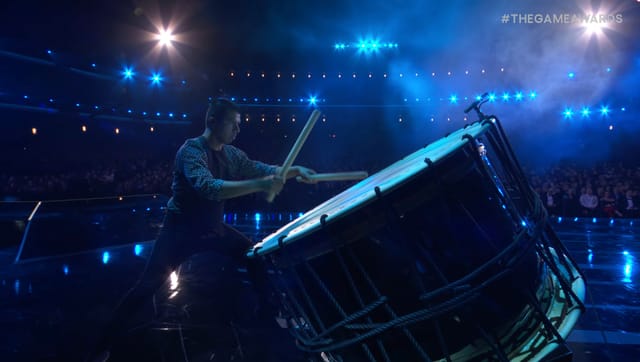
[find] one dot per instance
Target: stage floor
(51, 308)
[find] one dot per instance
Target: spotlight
(505, 96)
(585, 112)
(165, 37)
(84, 128)
(312, 100)
(533, 95)
(604, 111)
(571, 75)
(34, 131)
(492, 97)
(453, 99)
(518, 96)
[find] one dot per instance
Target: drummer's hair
(218, 109)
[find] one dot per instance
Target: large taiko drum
(443, 255)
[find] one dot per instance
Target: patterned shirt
(199, 173)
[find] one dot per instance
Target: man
(207, 171)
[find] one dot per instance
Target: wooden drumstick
(337, 176)
(296, 148)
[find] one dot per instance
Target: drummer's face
(228, 128)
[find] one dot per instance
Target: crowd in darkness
(604, 191)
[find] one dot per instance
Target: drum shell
(438, 227)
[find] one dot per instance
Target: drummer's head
(223, 120)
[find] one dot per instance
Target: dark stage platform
(59, 286)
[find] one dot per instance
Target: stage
(53, 304)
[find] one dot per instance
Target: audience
(604, 190)
(601, 191)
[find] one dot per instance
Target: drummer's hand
(272, 184)
(304, 174)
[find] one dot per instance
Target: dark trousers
(180, 238)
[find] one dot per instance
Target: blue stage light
(492, 97)
(65, 269)
(571, 75)
(137, 249)
(105, 257)
(505, 96)
(312, 100)
(77, 104)
(26, 97)
(258, 217)
(158, 114)
(478, 97)
(453, 99)
(49, 51)
(567, 113)
(170, 115)
(156, 78)
(585, 112)
(93, 65)
(128, 73)
(594, 220)
(184, 115)
(533, 95)
(604, 111)
(129, 111)
(144, 113)
(518, 96)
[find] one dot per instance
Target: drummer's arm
(251, 168)
(193, 163)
